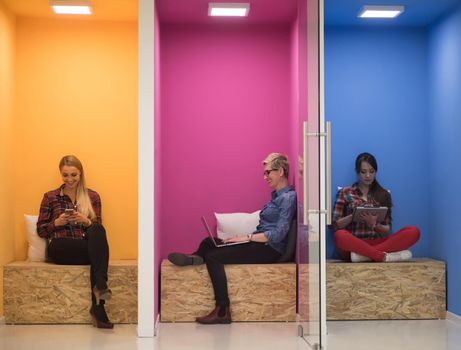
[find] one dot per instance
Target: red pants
(375, 248)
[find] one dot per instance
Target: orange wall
(76, 93)
(7, 47)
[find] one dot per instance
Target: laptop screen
(205, 223)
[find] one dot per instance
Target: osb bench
(258, 292)
(43, 293)
(413, 289)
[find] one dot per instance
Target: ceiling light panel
(71, 7)
(380, 11)
(228, 9)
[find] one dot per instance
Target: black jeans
(93, 250)
(215, 258)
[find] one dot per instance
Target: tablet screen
(378, 211)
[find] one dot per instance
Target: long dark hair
(377, 192)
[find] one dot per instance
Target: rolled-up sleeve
(287, 207)
(338, 210)
(45, 224)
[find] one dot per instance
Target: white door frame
(146, 93)
(323, 177)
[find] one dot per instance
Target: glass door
(311, 182)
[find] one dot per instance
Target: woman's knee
(412, 230)
(206, 241)
(340, 236)
(96, 229)
(205, 245)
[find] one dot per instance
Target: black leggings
(93, 250)
(215, 258)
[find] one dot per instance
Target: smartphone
(69, 211)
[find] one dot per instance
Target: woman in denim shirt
(267, 244)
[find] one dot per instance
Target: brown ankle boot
(180, 259)
(99, 317)
(214, 318)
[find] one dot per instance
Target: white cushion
(37, 245)
(236, 224)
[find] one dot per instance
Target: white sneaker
(397, 256)
(359, 258)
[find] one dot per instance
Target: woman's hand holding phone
(62, 220)
(71, 216)
(78, 218)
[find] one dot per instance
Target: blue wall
(376, 95)
(445, 150)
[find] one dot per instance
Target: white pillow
(236, 224)
(37, 245)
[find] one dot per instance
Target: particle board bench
(413, 289)
(43, 293)
(258, 292)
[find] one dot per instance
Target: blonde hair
(84, 205)
(277, 161)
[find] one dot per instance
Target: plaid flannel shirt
(53, 204)
(347, 199)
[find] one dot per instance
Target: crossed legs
(94, 251)
(375, 249)
(215, 258)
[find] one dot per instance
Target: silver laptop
(213, 239)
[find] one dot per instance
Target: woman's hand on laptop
(236, 239)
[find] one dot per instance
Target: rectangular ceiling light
(71, 7)
(380, 11)
(232, 9)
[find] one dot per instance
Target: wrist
(250, 236)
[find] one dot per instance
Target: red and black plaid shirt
(53, 205)
(347, 199)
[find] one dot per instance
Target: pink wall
(226, 103)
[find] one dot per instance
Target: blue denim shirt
(276, 216)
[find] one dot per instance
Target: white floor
(355, 335)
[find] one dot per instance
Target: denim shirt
(276, 216)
